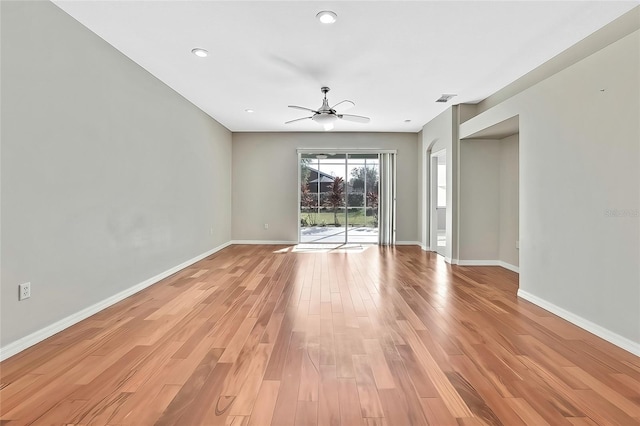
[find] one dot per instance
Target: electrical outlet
(24, 291)
(266, 226)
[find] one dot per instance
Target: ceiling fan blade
(303, 108)
(297, 119)
(355, 118)
(344, 105)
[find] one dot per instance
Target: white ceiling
(392, 58)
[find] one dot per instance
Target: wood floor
(261, 335)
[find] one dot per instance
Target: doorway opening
(339, 195)
(439, 202)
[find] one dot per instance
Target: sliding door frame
(346, 151)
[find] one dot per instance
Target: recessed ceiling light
(327, 17)
(199, 52)
(249, 110)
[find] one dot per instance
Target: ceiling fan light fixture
(324, 118)
(200, 52)
(327, 17)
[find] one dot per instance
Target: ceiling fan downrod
(325, 108)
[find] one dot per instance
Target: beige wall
(265, 180)
(108, 176)
(509, 201)
(489, 201)
(479, 200)
(579, 151)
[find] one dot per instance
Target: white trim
(299, 187)
(608, 335)
(408, 243)
(478, 262)
(425, 247)
(509, 266)
(500, 263)
(48, 331)
(263, 242)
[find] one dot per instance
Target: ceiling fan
(326, 115)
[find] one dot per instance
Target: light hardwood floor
(260, 335)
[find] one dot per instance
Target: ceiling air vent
(445, 98)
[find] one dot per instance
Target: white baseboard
(425, 248)
(408, 243)
(44, 333)
(263, 242)
(608, 335)
(477, 262)
(489, 263)
(509, 266)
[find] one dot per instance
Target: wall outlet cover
(24, 291)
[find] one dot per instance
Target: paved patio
(336, 234)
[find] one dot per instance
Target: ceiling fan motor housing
(325, 108)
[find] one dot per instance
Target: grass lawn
(356, 218)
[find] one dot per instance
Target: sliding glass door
(323, 217)
(339, 198)
(362, 198)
